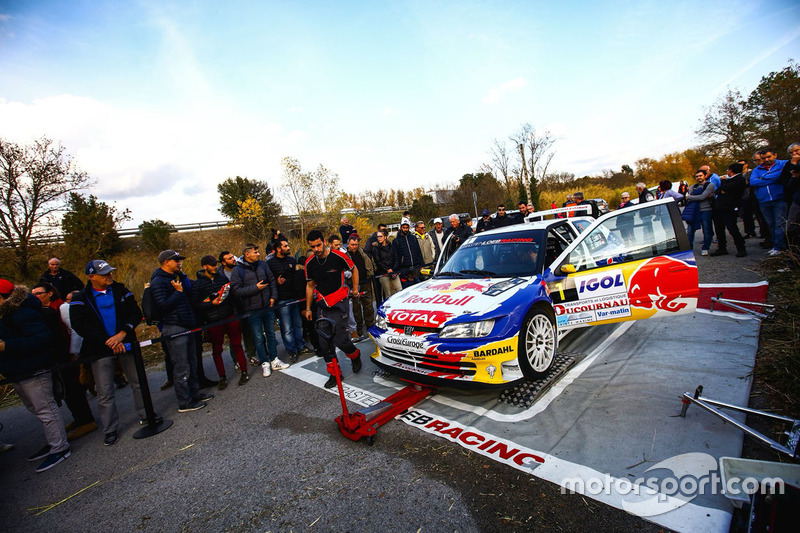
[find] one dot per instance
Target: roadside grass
(777, 370)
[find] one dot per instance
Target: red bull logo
(661, 282)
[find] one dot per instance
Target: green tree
(35, 182)
(775, 107)
(424, 209)
(234, 191)
(490, 192)
(626, 169)
(155, 234)
(728, 128)
(90, 227)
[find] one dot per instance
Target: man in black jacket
(724, 214)
(212, 297)
(254, 286)
(63, 280)
(105, 314)
(172, 295)
(291, 288)
(461, 230)
(408, 256)
(25, 357)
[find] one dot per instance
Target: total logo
(431, 319)
(609, 282)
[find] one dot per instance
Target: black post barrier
(155, 423)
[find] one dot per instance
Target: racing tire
(538, 343)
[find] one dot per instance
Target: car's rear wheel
(537, 344)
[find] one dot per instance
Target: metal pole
(155, 424)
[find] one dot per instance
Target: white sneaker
(266, 371)
(774, 252)
(704, 252)
(277, 364)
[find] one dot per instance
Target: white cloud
(494, 94)
(163, 165)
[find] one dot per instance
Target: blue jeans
(775, 214)
(705, 224)
(260, 323)
(291, 327)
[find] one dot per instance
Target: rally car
(496, 306)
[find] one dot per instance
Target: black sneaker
(41, 454)
(331, 383)
(356, 363)
(167, 384)
(194, 406)
(244, 378)
(717, 253)
(292, 358)
(204, 398)
(52, 460)
(223, 383)
(306, 351)
(111, 439)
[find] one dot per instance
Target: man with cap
(26, 358)
(105, 314)
(408, 256)
(437, 234)
(63, 280)
(212, 297)
(171, 290)
(485, 221)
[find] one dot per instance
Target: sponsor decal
(601, 284)
(409, 317)
(647, 281)
(577, 318)
(497, 241)
(491, 351)
(460, 285)
(608, 314)
(496, 448)
(408, 343)
(503, 286)
(441, 299)
(575, 308)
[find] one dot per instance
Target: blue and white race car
(496, 306)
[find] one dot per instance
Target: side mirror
(568, 269)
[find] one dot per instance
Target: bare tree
(536, 154)
(35, 183)
(501, 163)
(727, 129)
(297, 188)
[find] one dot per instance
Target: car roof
(535, 225)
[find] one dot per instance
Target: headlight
(380, 322)
(467, 330)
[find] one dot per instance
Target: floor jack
(365, 422)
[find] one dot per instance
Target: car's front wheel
(537, 344)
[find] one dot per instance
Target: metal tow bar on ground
(365, 422)
(712, 406)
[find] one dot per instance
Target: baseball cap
(208, 260)
(437, 220)
(6, 286)
(98, 266)
(166, 255)
(405, 222)
(486, 212)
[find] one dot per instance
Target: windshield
(514, 255)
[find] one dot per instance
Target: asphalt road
(268, 456)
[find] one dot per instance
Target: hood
(432, 303)
(19, 297)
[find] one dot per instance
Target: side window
(558, 239)
(629, 236)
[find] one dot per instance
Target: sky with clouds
(161, 101)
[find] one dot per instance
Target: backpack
(149, 307)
